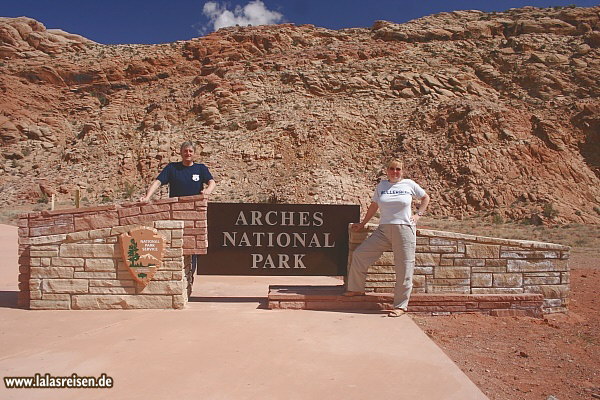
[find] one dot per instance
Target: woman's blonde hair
(395, 161)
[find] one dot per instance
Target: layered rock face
(494, 114)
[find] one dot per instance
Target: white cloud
(253, 13)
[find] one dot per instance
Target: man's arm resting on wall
(211, 186)
(155, 185)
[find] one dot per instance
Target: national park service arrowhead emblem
(142, 250)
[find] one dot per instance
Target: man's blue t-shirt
(184, 181)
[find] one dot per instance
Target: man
(185, 178)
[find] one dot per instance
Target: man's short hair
(187, 144)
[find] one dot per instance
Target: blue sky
(160, 21)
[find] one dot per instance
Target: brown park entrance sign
(277, 239)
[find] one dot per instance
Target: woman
(396, 230)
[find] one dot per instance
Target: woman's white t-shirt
(395, 199)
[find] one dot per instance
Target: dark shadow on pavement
(262, 301)
(8, 299)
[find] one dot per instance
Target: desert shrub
(549, 211)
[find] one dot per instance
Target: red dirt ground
(511, 358)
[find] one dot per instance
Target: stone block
(488, 269)
(35, 294)
(482, 251)
(97, 220)
(163, 276)
(111, 290)
(173, 253)
(155, 208)
(497, 290)
(189, 215)
(49, 304)
(445, 262)
(128, 211)
(452, 272)
(179, 301)
(112, 282)
(530, 254)
(424, 270)
(100, 233)
(65, 286)
(469, 262)
(33, 284)
(56, 296)
(532, 266)
(162, 287)
(436, 249)
(448, 289)
(41, 240)
(177, 243)
(427, 259)
(95, 275)
(51, 230)
(435, 241)
(448, 282)
(107, 302)
(168, 224)
(51, 272)
(481, 280)
(43, 253)
(541, 280)
(67, 262)
(508, 280)
(92, 250)
(100, 264)
(549, 291)
(177, 234)
(490, 262)
(419, 281)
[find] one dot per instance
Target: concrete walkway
(224, 345)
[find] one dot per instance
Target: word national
(279, 240)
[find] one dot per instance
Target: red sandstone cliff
(494, 113)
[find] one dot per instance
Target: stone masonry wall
(449, 262)
(39, 226)
(85, 270)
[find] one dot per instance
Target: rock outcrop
(496, 114)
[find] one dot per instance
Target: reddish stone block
(202, 204)
(200, 224)
(494, 304)
(105, 219)
(95, 209)
(155, 208)
(188, 224)
(189, 215)
(183, 206)
(189, 242)
(187, 252)
(142, 218)
(23, 232)
(50, 230)
(23, 222)
(128, 212)
(168, 200)
(195, 231)
(291, 305)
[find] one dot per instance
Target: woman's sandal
(396, 312)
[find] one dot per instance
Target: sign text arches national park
(277, 239)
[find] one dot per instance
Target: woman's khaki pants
(401, 239)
